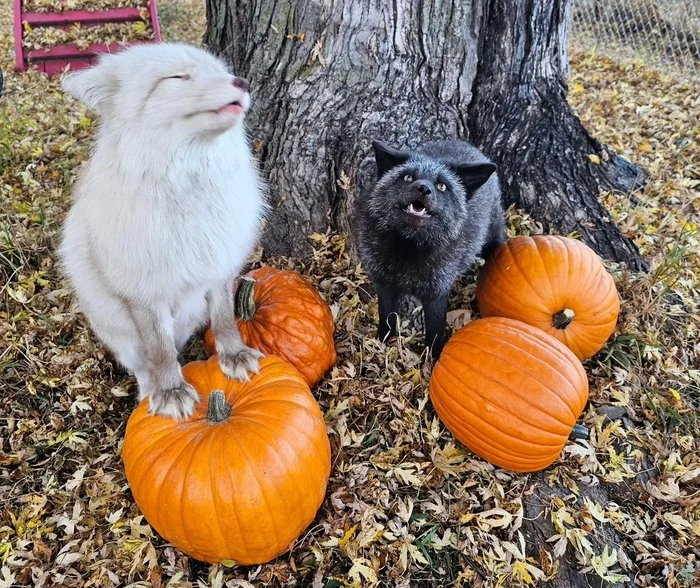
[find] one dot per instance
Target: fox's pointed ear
(93, 86)
(387, 157)
(474, 175)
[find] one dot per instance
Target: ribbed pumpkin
(244, 476)
(509, 392)
(555, 283)
(280, 313)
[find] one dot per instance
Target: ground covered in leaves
(406, 505)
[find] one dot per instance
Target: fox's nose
(241, 83)
(423, 188)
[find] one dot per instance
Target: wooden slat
(45, 19)
(69, 51)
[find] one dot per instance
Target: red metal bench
(53, 60)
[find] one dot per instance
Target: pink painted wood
(69, 17)
(19, 55)
(153, 9)
(55, 59)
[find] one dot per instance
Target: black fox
(431, 212)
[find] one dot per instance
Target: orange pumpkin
(554, 283)
(280, 313)
(244, 476)
(509, 392)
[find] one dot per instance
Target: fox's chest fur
(165, 231)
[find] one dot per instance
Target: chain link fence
(665, 33)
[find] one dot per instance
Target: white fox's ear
(94, 86)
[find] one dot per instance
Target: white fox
(165, 213)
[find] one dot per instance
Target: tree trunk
(328, 77)
(520, 118)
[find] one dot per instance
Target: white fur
(167, 209)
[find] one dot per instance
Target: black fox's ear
(387, 157)
(475, 175)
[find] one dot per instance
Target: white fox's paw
(177, 403)
(237, 365)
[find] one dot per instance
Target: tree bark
(328, 77)
(550, 166)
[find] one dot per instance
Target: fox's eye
(180, 77)
(408, 178)
(440, 186)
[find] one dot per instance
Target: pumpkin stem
(245, 299)
(563, 318)
(579, 432)
(218, 409)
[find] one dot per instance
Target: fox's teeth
(411, 209)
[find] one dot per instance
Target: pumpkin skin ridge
(295, 355)
(157, 488)
(577, 268)
(555, 245)
(523, 276)
(258, 423)
(283, 461)
(535, 378)
(532, 337)
(245, 548)
(496, 455)
(492, 446)
(180, 532)
(566, 355)
(481, 446)
(152, 441)
(308, 298)
(306, 362)
(511, 391)
(263, 488)
(517, 417)
(562, 352)
(214, 498)
(232, 434)
(265, 322)
(282, 401)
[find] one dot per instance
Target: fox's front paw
(177, 403)
(236, 365)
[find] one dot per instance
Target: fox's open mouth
(417, 208)
(234, 107)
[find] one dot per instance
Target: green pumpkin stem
(563, 318)
(218, 409)
(245, 299)
(579, 432)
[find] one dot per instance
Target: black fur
(429, 214)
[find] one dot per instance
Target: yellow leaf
(595, 159)
(348, 535)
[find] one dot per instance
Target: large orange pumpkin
(555, 283)
(509, 392)
(280, 313)
(244, 476)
